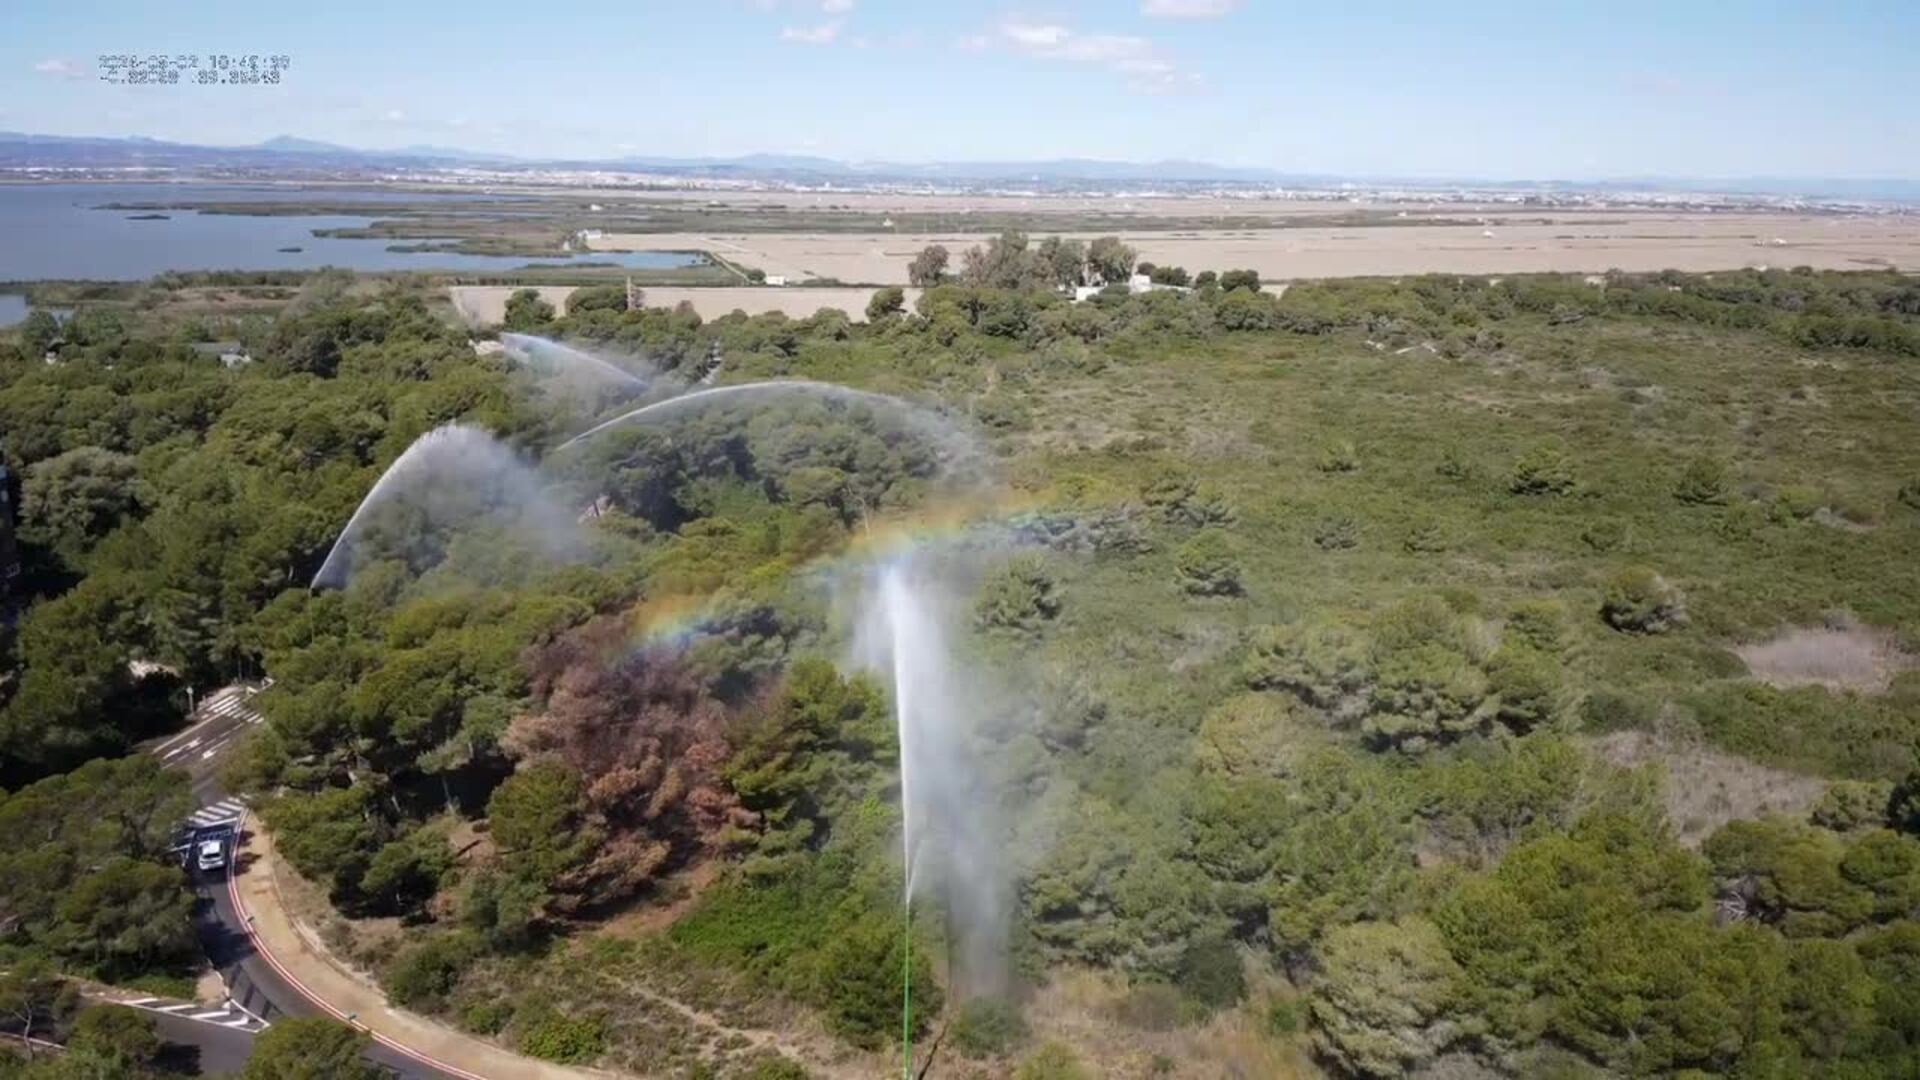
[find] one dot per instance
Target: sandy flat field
(1584, 242)
(485, 305)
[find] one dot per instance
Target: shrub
(527, 311)
(886, 303)
(1324, 661)
(1339, 456)
(1539, 623)
(1021, 597)
(1796, 502)
(485, 1017)
(1383, 990)
(856, 977)
(1740, 521)
(989, 1026)
(1207, 565)
(1604, 535)
(1639, 601)
(118, 1033)
(1702, 481)
(1283, 1016)
(1852, 805)
(1054, 1061)
(1525, 684)
(1544, 470)
(1251, 735)
(1909, 494)
(1210, 507)
(1168, 492)
(1210, 972)
(1180, 500)
(1245, 309)
(1336, 533)
(1425, 537)
(1424, 695)
(775, 1067)
(1239, 279)
(568, 1038)
(1453, 466)
(422, 975)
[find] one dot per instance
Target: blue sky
(1477, 89)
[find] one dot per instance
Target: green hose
(906, 994)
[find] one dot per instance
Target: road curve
(263, 985)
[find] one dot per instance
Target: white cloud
(1127, 54)
(60, 68)
(836, 7)
(1187, 9)
(395, 116)
(1035, 35)
(822, 34)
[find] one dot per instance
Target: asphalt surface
(251, 981)
(215, 1050)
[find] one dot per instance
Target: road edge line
(260, 948)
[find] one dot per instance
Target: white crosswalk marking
(219, 813)
(228, 1015)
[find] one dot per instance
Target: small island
(290, 249)
(149, 217)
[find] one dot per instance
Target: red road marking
(239, 909)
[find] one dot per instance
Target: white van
(212, 855)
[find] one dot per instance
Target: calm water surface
(55, 231)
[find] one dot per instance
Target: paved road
(215, 1050)
(220, 717)
(252, 982)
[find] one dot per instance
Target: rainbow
(669, 620)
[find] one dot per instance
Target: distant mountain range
(287, 153)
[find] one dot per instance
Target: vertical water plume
(949, 813)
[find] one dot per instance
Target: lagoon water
(50, 231)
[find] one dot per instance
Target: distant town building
(231, 353)
(776, 279)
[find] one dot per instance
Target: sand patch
(1844, 657)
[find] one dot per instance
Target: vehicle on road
(211, 855)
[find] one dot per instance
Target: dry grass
(1846, 656)
(1080, 1008)
(1569, 241)
(355, 945)
(1706, 788)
